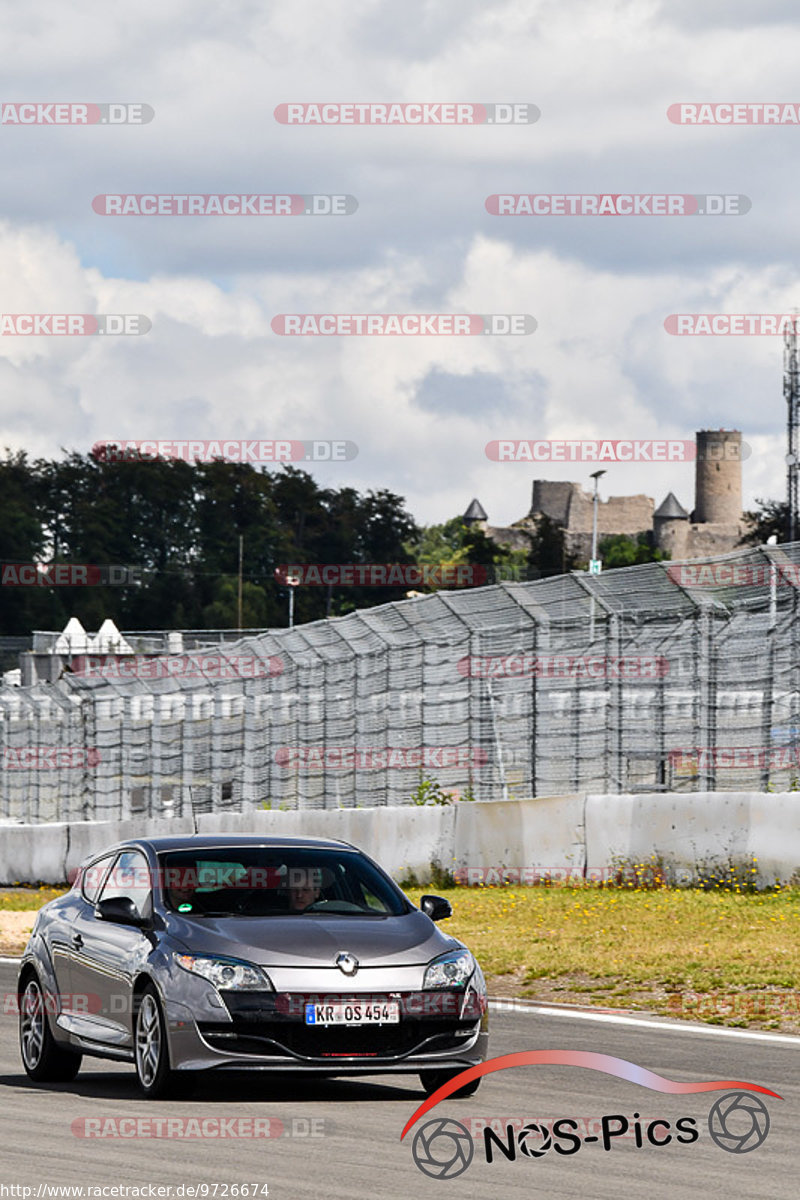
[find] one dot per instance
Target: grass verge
(720, 956)
(27, 899)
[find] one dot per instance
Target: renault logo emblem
(347, 963)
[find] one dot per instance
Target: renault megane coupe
(199, 953)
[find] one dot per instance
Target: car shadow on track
(230, 1087)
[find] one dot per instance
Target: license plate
(353, 1014)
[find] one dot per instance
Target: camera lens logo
(443, 1149)
(534, 1151)
(739, 1122)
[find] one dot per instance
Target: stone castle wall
(571, 507)
(715, 525)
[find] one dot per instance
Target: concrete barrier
(519, 839)
(404, 841)
(775, 835)
(33, 853)
(563, 836)
(697, 834)
(407, 841)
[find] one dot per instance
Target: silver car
(199, 953)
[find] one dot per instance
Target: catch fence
(672, 677)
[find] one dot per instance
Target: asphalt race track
(341, 1138)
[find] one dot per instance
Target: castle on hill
(714, 526)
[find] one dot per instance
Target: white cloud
(600, 363)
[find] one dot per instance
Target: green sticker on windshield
(184, 908)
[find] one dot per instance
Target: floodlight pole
(773, 580)
(595, 500)
(292, 585)
(239, 597)
(595, 476)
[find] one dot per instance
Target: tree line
(178, 524)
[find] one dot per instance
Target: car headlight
(450, 970)
(227, 973)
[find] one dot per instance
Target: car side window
(93, 876)
(130, 879)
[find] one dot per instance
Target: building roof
(671, 508)
(475, 512)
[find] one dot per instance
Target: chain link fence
(659, 677)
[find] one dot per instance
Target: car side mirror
(121, 910)
(436, 907)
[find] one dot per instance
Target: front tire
(432, 1080)
(42, 1057)
(151, 1051)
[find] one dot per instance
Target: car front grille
(264, 1024)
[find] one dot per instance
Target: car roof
(223, 841)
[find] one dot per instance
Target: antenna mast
(791, 391)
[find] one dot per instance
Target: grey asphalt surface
(357, 1150)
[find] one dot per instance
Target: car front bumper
(268, 1032)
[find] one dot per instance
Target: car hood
(314, 940)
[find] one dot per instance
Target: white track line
(499, 1004)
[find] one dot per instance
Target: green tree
(23, 539)
(548, 555)
(620, 550)
(771, 517)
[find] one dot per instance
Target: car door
(57, 928)
(106, 954)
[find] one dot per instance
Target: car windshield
(259, 881)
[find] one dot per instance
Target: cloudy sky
(421, 410)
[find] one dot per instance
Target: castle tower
(671, 527)
(718, 477)
(476, 515)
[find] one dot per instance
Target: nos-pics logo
(443, 1148)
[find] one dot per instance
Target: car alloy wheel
(43, 1059)
(150, 1046)
(31, 1031)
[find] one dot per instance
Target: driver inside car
(182, 894)
(302, 896)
